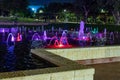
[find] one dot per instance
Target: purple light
(3, 31)
(84, 37)
(12, 39)
(36, 39)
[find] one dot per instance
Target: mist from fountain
(81, 35)
(44, 36)
(14, 30)
(81, 29)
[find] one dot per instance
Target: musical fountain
(58, 38)
(54, 38)
(59, 42)
(36, 37)
(67, 39)
(10, 39)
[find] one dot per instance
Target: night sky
(44, 2)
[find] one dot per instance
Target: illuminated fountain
(44, 36)
(19, 37)
(58, 38)
(14, 31)
(63, 39)
(36, 37)
(10, 40)
(81, 35)
(37, 41)
(81, 30)
(61, 42)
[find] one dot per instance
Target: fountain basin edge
(66, 70)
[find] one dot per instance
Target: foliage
(54, 7)
(14, 6)
(86, 7)
(113, 7)
(70, 16)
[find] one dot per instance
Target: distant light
(41, 11)
(33, 9)
(102, 11)
(65, 10)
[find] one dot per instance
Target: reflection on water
(18, 57)
(10, 59)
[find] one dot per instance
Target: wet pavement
(107, 71)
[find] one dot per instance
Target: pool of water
(16, 42)
(18, 57)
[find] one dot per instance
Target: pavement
(107, 71)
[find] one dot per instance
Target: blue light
(34, 8)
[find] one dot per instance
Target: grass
(19, 19)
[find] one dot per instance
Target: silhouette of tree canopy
(14, 6)
(85, 7)
(54, 7)
(113, 7)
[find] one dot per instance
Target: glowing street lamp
(65, 10)
(66, 20)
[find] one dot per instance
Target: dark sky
(42, 2)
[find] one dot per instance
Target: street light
(66, 20)
(65, 10)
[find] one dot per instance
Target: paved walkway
(108, 71)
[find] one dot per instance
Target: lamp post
(66, 20)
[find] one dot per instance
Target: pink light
(60, 45)
(18, 37)
(84, 37)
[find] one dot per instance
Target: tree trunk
(86, 13)
(116, 16)
(86, 16)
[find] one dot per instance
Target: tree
(14, 6)
(4, 6)
(68, 7)
(86, 6)
(54, 7)
(113, 7)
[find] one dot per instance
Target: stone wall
(66, 70)
(87, 53)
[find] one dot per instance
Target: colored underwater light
(18, 37)
(60, 45)
(12, 39)
(3, 31)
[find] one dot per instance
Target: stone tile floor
(107, 71)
